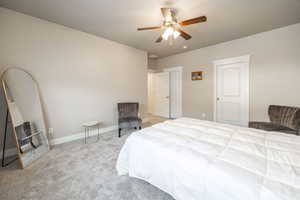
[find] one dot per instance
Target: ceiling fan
(171, 27)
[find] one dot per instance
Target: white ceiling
(118, 19)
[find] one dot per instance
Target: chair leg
(85, 135)
(119, 132)
(98, 136)
(140, 127)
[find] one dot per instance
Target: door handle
(167, 97)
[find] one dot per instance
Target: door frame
(150, 91)
(176, 69)
(241, 59)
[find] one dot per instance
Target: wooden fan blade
(184, 34)
(149, 28)
(159, 39)
(193, 21)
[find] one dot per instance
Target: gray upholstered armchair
(283, 119)
(128, 116)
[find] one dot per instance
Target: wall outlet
(203, 115)
(51, 132)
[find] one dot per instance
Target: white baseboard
(61, 140)
(70, 138)
(81, 135)
(144, 120)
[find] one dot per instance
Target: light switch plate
(51, 131)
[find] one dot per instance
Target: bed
(194, 159)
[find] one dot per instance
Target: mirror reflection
(23, 100)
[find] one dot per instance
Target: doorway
(164, 93)
(231, 102)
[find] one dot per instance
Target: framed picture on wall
(197, 76)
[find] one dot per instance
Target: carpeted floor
(77, 171)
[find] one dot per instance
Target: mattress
(194, 159)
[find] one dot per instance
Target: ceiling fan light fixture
(168, 18)
(172, 27)
(168, 32)
(176, 34)
(165, 36)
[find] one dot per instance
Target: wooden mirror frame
(37, 88)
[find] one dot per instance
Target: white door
(232, 91)
(150, 93)
(161, 93)
(174, 94)
(175, 91)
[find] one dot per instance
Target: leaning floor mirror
(26, 115)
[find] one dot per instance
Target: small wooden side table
(88, 126)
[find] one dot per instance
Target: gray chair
(283, 119)
(128, 116)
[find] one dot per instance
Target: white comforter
(201, 160)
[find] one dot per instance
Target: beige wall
(152, 63)
(274, 71)
(81, 76)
